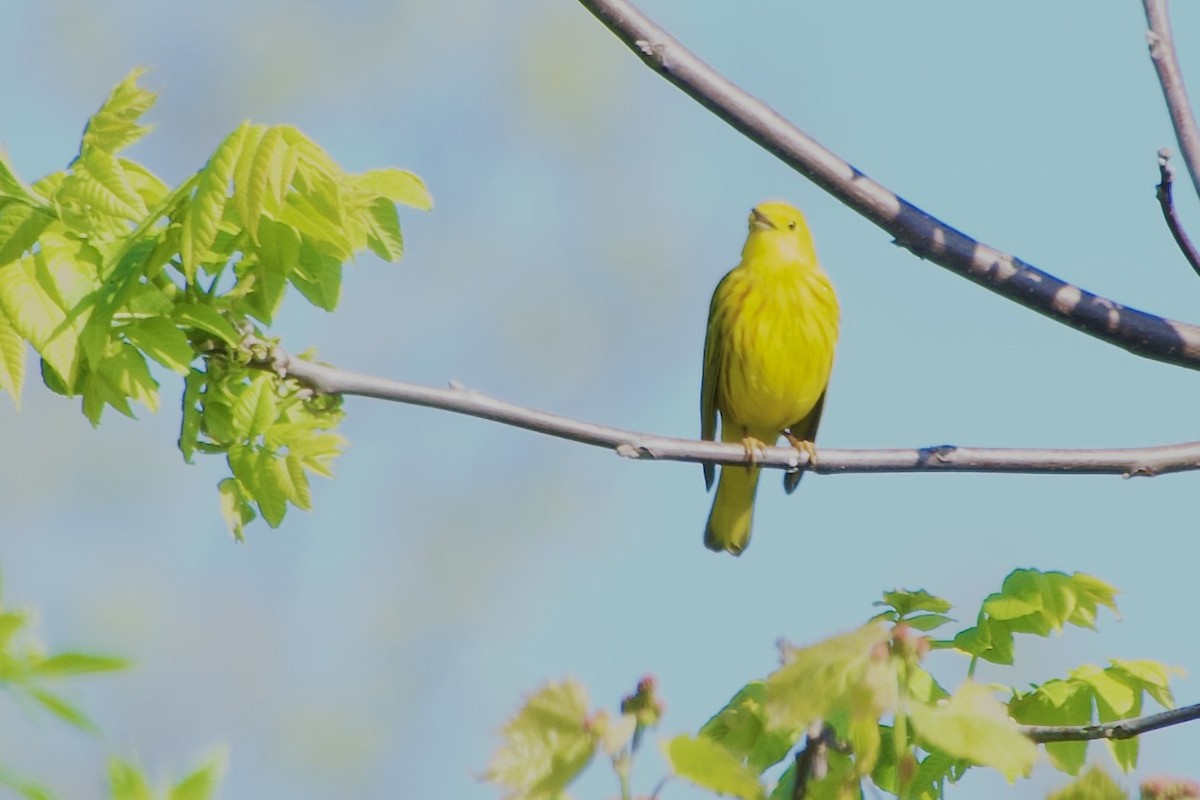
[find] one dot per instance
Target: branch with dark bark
(1121, 729)
(634, 444)
(1170, 78)
(927, 237)
(1166, 179)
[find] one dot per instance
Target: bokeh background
(585, 210)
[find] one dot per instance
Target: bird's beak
(760, 220)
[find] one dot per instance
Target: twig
(1121, 729)
(1162, 53)
(1166, 179)
(1136, 331)
(812, 761)
(633, 444)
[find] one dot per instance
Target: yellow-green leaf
(206, 318)
(1095, 784)
(973, 725)
(235, 507)
(545, 745)
(202, 217)
(160, 339)
(707, 764)
(12, 359)
(851, 671)
(397, 185)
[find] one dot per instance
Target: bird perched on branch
(768, 353)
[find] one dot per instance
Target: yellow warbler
(772, 329)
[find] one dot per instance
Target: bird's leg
(754, 448)
(804, 446)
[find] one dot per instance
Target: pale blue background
(585, 210)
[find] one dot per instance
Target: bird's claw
(755, 448)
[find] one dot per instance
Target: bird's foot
(804, 446)
(754, 449)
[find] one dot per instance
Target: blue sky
(585, 209)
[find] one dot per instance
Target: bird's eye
(792, 225)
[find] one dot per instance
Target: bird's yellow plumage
(772, 330)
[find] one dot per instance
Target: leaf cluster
(863, 707)
(105, 270)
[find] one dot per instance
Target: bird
(768, 355)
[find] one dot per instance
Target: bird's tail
(732, 511)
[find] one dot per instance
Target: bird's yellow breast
(777, 330)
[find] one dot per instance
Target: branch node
(626, 450)
(938, 452)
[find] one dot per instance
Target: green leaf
(12, 360)
(397, 185)
(120, 377)
(293, 481)
(20, 227)
(28, 789)
(205, 318)
(990, 640)
(973, 725)
(160, 339)
(127, 782)
(741, 727)
(114, 126)
(256, 408)
(927, 622)
(383, 230)
(278, 254)
(63, 710)
(850, 671)
(12, 186)
(545, 745)
(1057, 702)
(202, 217)
(241, 176)
(1115, 698)
(189, 429)
(905, 602)
(101, 182)
(709, 765)
(1094, 785)
(235, 507)
(1152, 677)
(318, 277)
(255, 473)
(33, 305)
(201, 784)
(77, 664)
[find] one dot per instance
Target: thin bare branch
(1162, 53)
(634, 444)
(1166, 179)
(1136, 331)
(1121, 729)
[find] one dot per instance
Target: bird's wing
(708, 382)
(806, 431)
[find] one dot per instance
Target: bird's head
(780, 227)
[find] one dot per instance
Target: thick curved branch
(1166, 200)
(1121, 729)
(633, 444)
(1136, 331)
(1170, 77)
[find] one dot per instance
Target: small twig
(1163, 192)
(1121, 729)
(1170, 77)
(926, 236)
(634, 444)
(812, 762)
